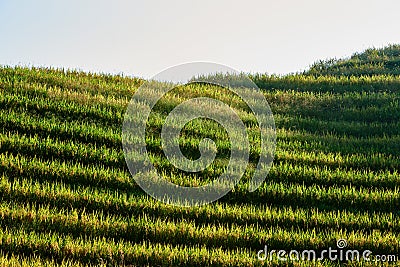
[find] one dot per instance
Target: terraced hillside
(67, 197)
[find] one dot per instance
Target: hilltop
(373, 61)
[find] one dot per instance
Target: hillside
(68, 199)
(373, 61)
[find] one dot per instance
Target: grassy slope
(67, 197)
(370, 62)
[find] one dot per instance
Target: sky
(142, 38)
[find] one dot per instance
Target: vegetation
(370, 62)
(67, 197)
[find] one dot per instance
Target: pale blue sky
(142, 38)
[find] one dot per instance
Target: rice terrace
(68, 198)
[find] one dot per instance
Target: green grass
(68, 199)
(372, 61)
